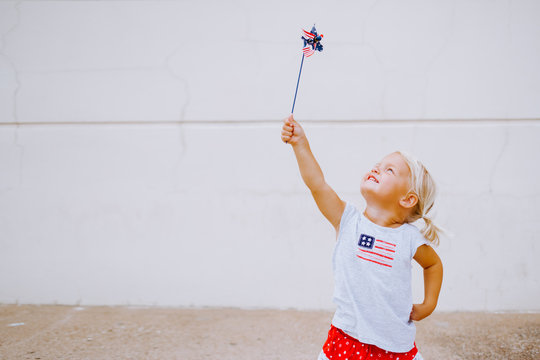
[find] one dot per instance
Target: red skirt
(340, 346)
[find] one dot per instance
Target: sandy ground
(65, 332)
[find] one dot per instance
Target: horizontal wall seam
(272, 122)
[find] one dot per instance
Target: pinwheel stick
(297, 83)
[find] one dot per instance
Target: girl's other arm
(433, 274)
(328, 202)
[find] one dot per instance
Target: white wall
(140, 158)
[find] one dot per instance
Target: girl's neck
(383, 217)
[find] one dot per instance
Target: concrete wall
(141, 163)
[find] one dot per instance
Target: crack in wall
(16, 90)
(436, 56)
(498, 159)
(381, 64)
(379, 60)
(181, 80)
(182, 115)
(509, 49)
(9, 60)
(370, 10)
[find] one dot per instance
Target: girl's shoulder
(351, 211)
(414, 236)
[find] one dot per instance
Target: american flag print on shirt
(376, 251)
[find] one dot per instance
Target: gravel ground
(67, 332)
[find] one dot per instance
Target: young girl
(373, 254)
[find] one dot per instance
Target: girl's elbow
(436, 265)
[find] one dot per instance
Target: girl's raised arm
(328, 202)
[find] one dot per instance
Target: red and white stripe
(308, 50)
(308, 34)
(382, 253)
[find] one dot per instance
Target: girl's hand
(421, 311)
(291, 132)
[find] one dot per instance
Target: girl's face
(387, 182)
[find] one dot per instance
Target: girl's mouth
(372, 178)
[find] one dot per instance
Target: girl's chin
(371, 195)
(366, 190)
(368, 185)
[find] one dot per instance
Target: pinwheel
(312, 43)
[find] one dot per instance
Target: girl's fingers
(286, 133)
(288, 128)
(289, 122)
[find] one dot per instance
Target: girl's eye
(390, 170)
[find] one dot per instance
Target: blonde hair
(423, 186)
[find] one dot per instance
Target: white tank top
(372, 276)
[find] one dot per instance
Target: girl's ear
(409, 201)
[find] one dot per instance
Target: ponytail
(431, 231)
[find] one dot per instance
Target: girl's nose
(375, 170)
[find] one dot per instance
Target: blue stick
(298, 82)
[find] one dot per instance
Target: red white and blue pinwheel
(312, 43)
